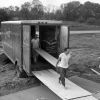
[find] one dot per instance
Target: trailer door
(26, 48)
(64, 37)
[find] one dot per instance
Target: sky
(7, 3)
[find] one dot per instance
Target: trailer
(17, 37)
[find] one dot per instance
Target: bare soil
(9, 82)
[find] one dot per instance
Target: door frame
(29, 45)
(67, 37)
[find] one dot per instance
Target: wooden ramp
(95, 71)
(72, 92)
(52, 60)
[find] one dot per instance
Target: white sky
(7, 3)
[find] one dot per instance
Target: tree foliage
(3, 15)
(74, 11)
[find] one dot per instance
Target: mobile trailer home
(17, 37)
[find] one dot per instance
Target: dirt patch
(9, 83)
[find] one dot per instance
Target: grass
(81, 26)
(86, 50)
(85, 46)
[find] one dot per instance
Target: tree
(90, 7)
(70, 10)
(58, 15)
(26, 5)
(37, 10)
(25, 11)
(3, 15)
(24, 14)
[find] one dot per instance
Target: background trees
(88, 12)
(4, 15)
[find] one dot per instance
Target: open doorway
(32, 32)
(40, 63)
(31, 37)
(49, 39)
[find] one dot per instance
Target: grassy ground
(86, 50)
(81, 26)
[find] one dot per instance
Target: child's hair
(65, 49)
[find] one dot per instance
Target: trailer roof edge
(13, 22)
(33, 22)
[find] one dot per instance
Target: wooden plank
(84, 32)
(50, 79)
(95, 71)
(52, 60)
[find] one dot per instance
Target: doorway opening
(48, 39)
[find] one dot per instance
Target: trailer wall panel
(12, 41)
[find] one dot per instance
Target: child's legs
(63, 74)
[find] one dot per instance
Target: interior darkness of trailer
(48, 42)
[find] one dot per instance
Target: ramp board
(84, 32)
(50, 79)
(95, 71)
(52, 60)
